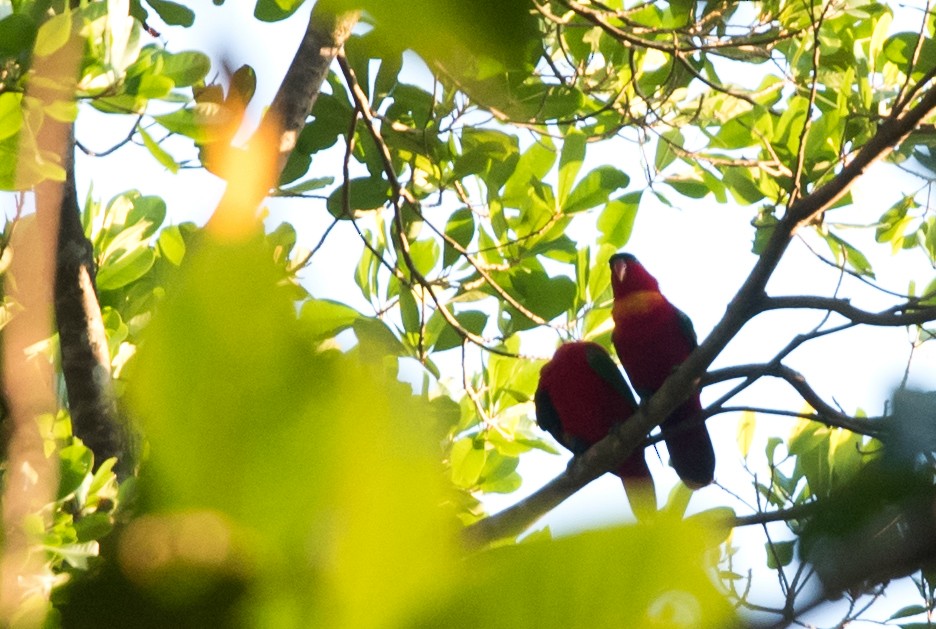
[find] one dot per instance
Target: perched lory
(652, 337)
(580, 397)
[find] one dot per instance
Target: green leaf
(460, 227)
(845, 455)
(150, 86)
(499, 474)
(297, 164)
(810, 444)
(467, 459)
(75, 555)
(232, 339)
(595, 188)
(716, 521)
(323, 318)
(17, 35)
(103, 477)
(332, 115)
(243, 85)
(147, 211)
(409, 311)
(171, 245)
(173, 13)
(570, 161)
(125, 268)
(74, 466)
(412, 105)
(204, 123)
(616, 221)
(529, 173)
(501, 39)
(779, 554)
(162, 156)
(53, 34)
(906, 612)
(545, 296)
(772, 444)
(275, 10)
(11, 116)
(746, 427)
(185, 68)
(900, 48)
(425, 255)
(764, 224)
(471, 320)
(929, 241)
(852, 256)
(307, 185)
(365, 275)
(93, 526)
(571, 583)
(377, 338)
(741, 185)
(490, 153)
(894, 223)
(688, 186)
(364, 194)
(665, 155)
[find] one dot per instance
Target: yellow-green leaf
(53, 34)
(746, 426)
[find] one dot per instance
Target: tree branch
(830, 415)
(901, 315)
(85, 356)
(619, 444)
(251, 178)
(82, 337)
(324, 37)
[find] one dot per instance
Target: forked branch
(609, 452)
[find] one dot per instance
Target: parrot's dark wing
(601, 363)
(546, 416)
(685, 326)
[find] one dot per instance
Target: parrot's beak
(619, 269)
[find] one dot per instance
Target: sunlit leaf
(173, 13)
(11, 118)
(571, 583)
(162, 156)
(126, 267)
(185, 68)
(323, 318)
(460, 227)
(570, 161)
(746, 427)
(275, 10)
(617, 220)
(595, 188)
(53, 34)
(75, 465)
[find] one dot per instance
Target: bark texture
(82, 338)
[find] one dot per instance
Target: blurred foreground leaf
(648, 576)
(308, 479)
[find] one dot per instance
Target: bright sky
(699, 252)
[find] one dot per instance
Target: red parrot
(580, 397)
(653, 337)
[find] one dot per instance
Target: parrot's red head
(628, 275)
